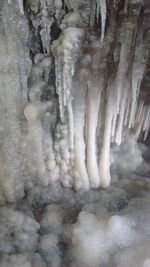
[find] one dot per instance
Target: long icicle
(94, 96)
(104, 163)
(118, 135)
(101, 5)
(137, 75)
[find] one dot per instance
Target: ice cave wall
(71, 89)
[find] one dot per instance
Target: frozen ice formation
(95, 104)
(72, 75)
(74, 117)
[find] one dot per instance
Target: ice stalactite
(137, 76)
(120, 76)
(140, 122)
(123, 106)
(59, 80)
(71, 47)
(67, 48)
(104, 163)
(96, 106)
(119, 130)
(93, 100)
(127, 111)
(101, 5)
(99, 10)
(46, 23)
(139, 111)
(42, 21)
(71, 124)
(80, 174)
(146, 124)
(143, 118)
(93, 12)
(20, 5)
(93, 103)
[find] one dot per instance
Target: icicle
(20, 5)
(94, 95)
(114, 119)
(66, 51)
(104, 163)
(97, 12)
(137, 75)
(101, 4)
(122, 68)
(144, 122)
(140, 124)
(67, 77)
(46, 27)
(71, 124)
(59, 82)
(103, 18)
(64, 86)
(100, 116)
(93, 13)
(80, 174)
(127, 109)
(139, 111)
(147, 123)
(118, 136)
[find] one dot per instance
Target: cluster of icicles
(92, 115)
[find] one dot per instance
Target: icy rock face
(14, 69)
(71, 81)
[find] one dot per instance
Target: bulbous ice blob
(48, 247)
(52, 219)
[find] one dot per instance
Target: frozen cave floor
(115, 198)
(56, 227)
